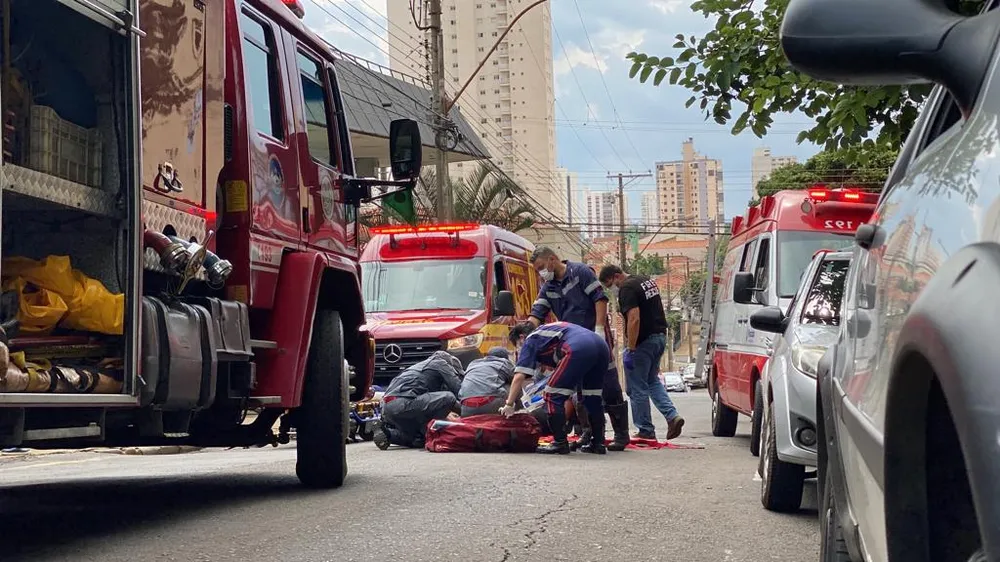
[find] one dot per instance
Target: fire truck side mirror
(743, 287)
(405, 149)
(503, 304)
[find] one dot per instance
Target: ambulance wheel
(322, 421)
(367, 431)
(755, 419)
(724, 418)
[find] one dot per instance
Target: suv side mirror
(503, 304)
(770, 319)
(405, 149)
(890, 42)
(743, 287)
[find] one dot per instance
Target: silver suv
(909, 396)
(783, 430)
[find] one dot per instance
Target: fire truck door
(173, 88)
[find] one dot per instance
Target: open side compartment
(69, 250)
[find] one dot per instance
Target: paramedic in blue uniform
(572, 293)
(579, 358)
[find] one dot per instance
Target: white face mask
(547, 275)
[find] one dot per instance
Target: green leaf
(652, 61)
(690, 101)
(666, 62)
(860, 116)
(640, 57)
(646, 70)
(679, 45)
(758, 105)
(741, 123)
(635, 69)
(743, 17)
(660, 74)
(689, 72)
(675, 75)
(686, 55)
(679, 36)
(724, 80)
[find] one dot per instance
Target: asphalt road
(405, 505)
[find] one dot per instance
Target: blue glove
(627, 360)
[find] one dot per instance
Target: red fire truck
(769, 249)
(181, 251)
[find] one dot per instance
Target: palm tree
(486, 196)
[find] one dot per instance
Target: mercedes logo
(392, 353)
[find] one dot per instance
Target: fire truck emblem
(327, 196)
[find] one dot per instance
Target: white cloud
(576, 57)
(618, 41)
(356, 27)
(666, 6)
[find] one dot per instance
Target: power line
(593, 52)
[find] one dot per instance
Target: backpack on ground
(485, 433)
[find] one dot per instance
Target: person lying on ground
(424, 392)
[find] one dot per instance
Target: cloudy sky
(605, 121)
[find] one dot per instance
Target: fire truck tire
(781, 482)
(322, 420)
(724, 418)
(755, 419)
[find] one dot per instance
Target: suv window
(747, 255)
(822, 302)
(260, 73)
(317, 109)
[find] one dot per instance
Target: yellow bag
(92, 308)
(39, 310)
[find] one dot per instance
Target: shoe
(381, 436)
(554, 448)
(594, 448)
(582, 442)
(596, 445)
(642, 435)
(674, 428)
(619, 423)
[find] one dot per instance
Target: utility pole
(670, 332)
(622, 244)
(439, 107)
(707, 316)
(690, 309)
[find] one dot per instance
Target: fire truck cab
(770, 248)
(457, 287)
(180, 253)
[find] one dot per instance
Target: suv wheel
(781, 482)
(724, 418)
(322, 420)
(755, 419)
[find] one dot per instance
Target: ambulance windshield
(424, 285)
(797, 248)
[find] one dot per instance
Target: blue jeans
(644, 384)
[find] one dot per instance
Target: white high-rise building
(511, 100)
(602, 214)
(762, 165)
(567, 208)
(690, 190)
(649, 208)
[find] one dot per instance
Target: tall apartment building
(512, 98)
(602, 214)
(690, 190)
(649, 208)
(567, 182)
(762, 164)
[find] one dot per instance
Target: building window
(261, 75)
(480, 34)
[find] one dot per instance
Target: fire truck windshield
(424, 285)
(797, 248)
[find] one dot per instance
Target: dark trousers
(405, 419)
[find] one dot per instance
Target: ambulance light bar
(845, 196)
(296, 7)
(425, 228)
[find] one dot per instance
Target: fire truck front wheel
(322, 421)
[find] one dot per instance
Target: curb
(161, 450)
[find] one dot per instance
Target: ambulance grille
(411, 352)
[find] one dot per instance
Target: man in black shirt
(645, 341)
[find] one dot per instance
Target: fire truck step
(92, 430)
(265, 399)
(263, 344)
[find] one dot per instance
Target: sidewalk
(158, 450)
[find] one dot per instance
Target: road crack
(538, 525)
